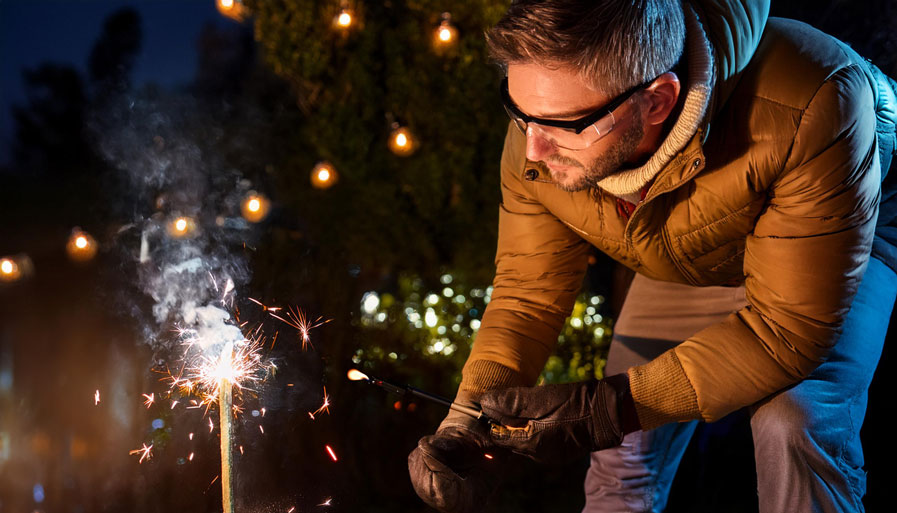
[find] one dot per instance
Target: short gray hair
(613, 44)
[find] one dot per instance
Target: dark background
(96, 95)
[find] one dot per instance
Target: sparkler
(214, 381)
(356, 375)
(225, 404)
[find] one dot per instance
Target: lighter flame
(357, 375)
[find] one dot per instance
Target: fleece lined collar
(627, 184)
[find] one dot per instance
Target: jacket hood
(734, 28)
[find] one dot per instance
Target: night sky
(36, 31)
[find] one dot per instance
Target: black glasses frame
(577, 125)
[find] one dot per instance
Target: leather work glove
(457, 469)
(556, 423)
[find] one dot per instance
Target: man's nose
(537, 145)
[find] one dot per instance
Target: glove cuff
(462, 420)
(626, 411)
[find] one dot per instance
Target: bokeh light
(255, 207)
(8, 269)
(233, 9)
(182, 226)
(401, 141)
(323, 176)
(446, 34)
(344, 19)
(81, 246)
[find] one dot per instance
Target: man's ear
(660, 98)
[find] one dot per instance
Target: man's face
(559, 94)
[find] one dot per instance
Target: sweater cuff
(481, 375)
(662, 392)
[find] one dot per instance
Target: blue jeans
(806, 438)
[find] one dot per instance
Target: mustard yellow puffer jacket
(778, 190)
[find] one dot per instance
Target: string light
(446, 34)
(81, 246)
(181, 227)
(233, 9)
(323, 176)
(15, 267)
(344, 19)
(9, 271)
(255, 207)
(401, 142)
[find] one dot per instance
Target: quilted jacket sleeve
(540, 265)
(803, 263)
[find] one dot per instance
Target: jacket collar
(701, 76)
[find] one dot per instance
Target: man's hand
(556, 423)
(455, 470)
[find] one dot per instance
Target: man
(736, 164)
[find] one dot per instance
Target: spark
(325, 407)
(241, 450)
(326, 502)
(297, 319)
(263, 412)
(262, 429)
(96, 397)
(190, 436)
(265, 308)
(145, 452)
(330, 451)
(174, 403)
(291, 510)
(204, 374)
(211, 426)
(488, 456)
(150, 399)
(190, 458)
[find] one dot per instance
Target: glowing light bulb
(182, 227)
(401, 142)
(446, 33)
(255, 207)
(324, 176)
(233, 9)
(81, 246)
(344, 19)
